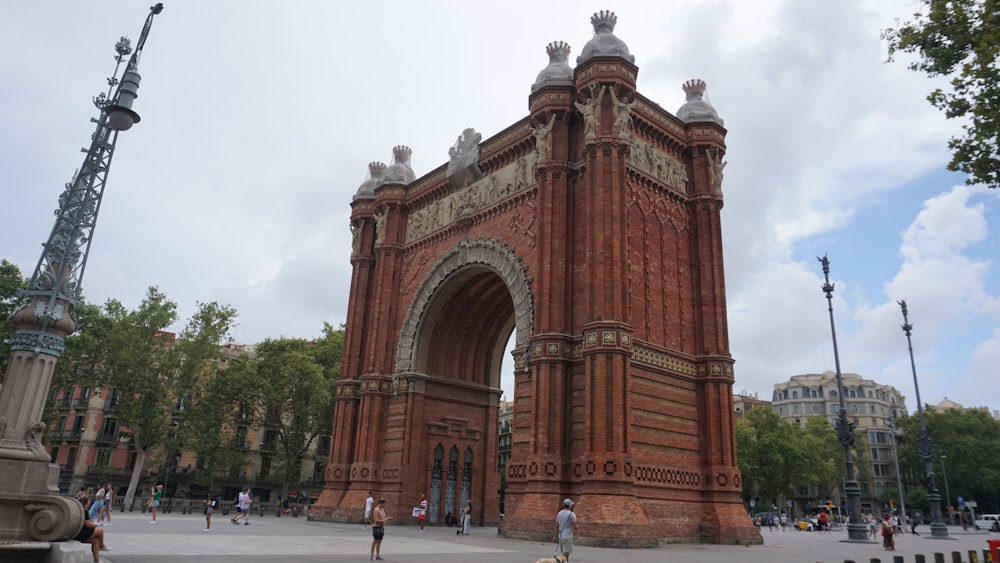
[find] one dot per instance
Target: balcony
(63, 403)
(108, 438)
(268, 447)
(72, 435)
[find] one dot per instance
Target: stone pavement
(179, 538)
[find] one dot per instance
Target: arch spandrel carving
(487, 252)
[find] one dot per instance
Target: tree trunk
(140, 462)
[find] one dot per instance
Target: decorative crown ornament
(376, 169)
(401, 154)
(604, 21)
(558, 51)
(694, 89)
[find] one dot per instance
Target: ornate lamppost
(30, 505)
(856, 529)
(947, 493)
(925, 446)
(899, 478)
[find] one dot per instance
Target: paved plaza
(179, 538)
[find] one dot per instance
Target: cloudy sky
(259, 119)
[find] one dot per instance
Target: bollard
(938, 558)
(987, 556)
(874, 560)
(956, 557)
(973, 556)
(919, 558)
(897, 559)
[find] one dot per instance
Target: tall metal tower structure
(30, 508)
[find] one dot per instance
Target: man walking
(243, 501)
(565, 522)
(368, 510)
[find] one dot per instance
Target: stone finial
(558, 72)
(367, 189)
(558, 51)
(604, 42)
(696, 108)
(399, 172)
(604, 21)
(694, 89)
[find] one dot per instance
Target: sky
(259, 120)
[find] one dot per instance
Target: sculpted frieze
(657, 164)
(479, 195)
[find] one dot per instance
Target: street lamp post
(925, 446)
(899, 478)
(34, 511)
(856, 529)
(947, 493)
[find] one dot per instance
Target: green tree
(198, 415)
(960, 39)
(11, 282)
(289, 394)
(772, 456)
(826, 454)
(971, 441)
(139, 364)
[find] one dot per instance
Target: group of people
(376, 517)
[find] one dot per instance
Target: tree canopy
(960, 40)
(969, 440)
(10, 282)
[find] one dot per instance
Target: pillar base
(31, 509)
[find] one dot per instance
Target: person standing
(565, 522)
(888, 543)
(105, 513)
(422, 513)
(98, 506)
(466, 520)
(368, 509)
(154, 501)
(378, 529)
(210, 504)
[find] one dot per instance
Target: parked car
(988, 522)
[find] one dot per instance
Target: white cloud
(259, 122)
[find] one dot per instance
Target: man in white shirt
(368, 509)
(243, 501)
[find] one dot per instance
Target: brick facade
(600, 243)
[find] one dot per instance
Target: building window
(815, 408)
(103, 457)
(833, 393)
(781, 411)
(55, 454)
(854, 408)
(813, 394)
(795, 394)
(795, 409)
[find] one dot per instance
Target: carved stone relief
(656, 164)
(481, 194)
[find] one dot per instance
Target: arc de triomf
(591, 230)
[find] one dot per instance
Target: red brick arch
(467, 267)
(597, 240)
